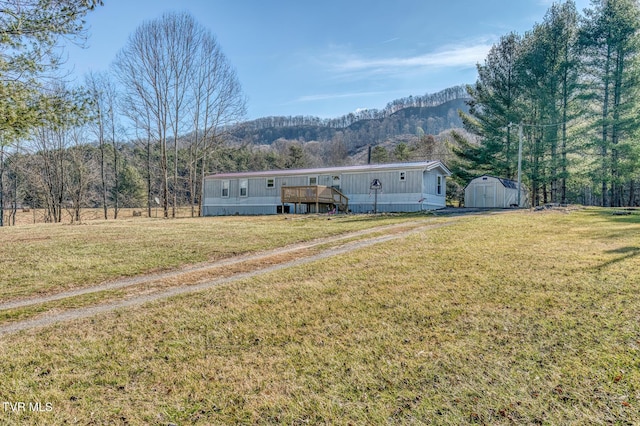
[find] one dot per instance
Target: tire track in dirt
(201, 267)
(392, 232)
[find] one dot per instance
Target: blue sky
(331, 57)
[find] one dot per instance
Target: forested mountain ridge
(427, 100)
(429, 114)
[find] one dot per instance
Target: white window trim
(273, 183)
(225, 186)
(402, 176)
(313, 177)
(439, 186)
(244, 184)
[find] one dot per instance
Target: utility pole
(519, 162)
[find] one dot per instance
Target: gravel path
(391, 232)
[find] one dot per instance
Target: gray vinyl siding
(360, 183)
(212, 187)
(294, 181)
(431, 181)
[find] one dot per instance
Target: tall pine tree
(609, 43)
(492, 108)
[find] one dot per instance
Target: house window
(271, 183)
(313, 180)
(403, 176)
(244, 184)
(225, 189)
(439, 185)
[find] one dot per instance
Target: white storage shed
(494, 192)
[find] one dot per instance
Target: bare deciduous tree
(104, 127)
(171, 69)
(62, 111)
(217, 103)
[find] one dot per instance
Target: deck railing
(317, 195)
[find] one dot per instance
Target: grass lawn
(45, 258)
(519, 318)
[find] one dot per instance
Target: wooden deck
(322, 198)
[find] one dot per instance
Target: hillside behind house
(430, 114)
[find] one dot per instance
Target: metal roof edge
(427, 165)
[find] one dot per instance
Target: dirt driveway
(123, 293)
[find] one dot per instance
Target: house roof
(426, 165)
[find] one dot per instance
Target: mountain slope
(368, 131)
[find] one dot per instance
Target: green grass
(525, 318)
(185, 278)
(51, 258)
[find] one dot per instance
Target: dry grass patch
(39, 216)
(50, 258)
(509, 319)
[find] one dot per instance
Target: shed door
(485, 195)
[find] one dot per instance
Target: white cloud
(391, 40)
(452, 56)
(329, 96)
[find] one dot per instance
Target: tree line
(407, 122)
(566, 93)
(119, 135)
(32, 105)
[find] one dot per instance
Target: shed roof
(426, 165)
(507, 183)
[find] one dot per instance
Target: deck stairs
(316, 198)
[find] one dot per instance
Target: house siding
(359, 183)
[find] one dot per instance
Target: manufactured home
(494, 192)
(400, 187)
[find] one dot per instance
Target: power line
(538, 125)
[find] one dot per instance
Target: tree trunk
(116, 181)
(149, 193)
(1, 186)
(14, 201)
(103, 178)
(605, 127)
(175, 176)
